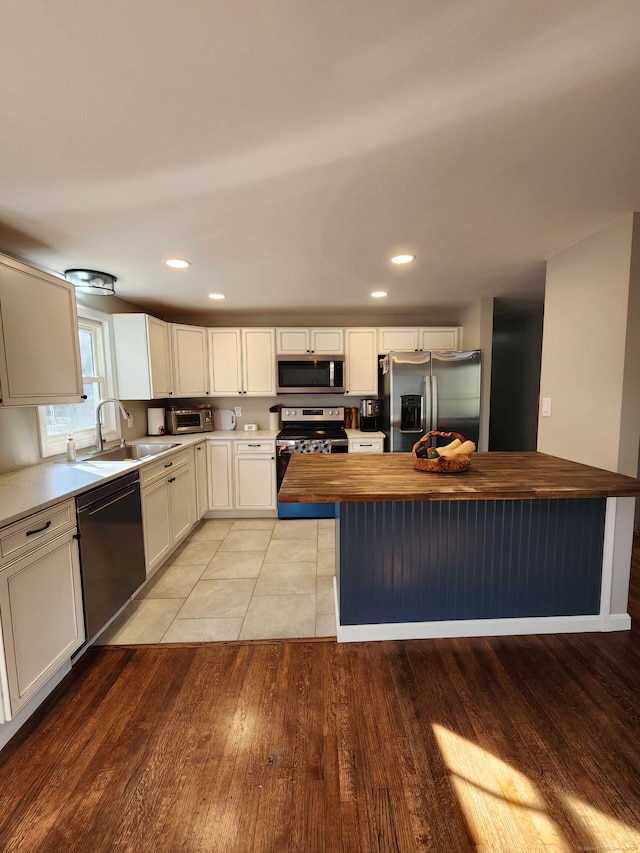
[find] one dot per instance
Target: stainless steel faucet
(123, 412)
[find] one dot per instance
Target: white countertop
(359, 433)
(38, 486)
(31, 489)
(241, 434)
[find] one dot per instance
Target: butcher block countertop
(342, 477)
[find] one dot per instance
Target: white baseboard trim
(9, 729)
(615, 622)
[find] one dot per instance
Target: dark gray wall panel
(435, 560)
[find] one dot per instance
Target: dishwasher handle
(100, 505)
(108, 492)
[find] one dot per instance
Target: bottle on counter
(71, 450)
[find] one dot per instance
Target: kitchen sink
(131, 452)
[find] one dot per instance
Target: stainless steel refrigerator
(424, 391)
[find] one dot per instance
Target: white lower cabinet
(202, 479)
(375, 444)
(40, 602)
(220, 461)
(255, 475)
(168, 495)
(242, 476)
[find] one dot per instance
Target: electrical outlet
(130, 421)
(238, 411)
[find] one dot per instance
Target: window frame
(53, 445)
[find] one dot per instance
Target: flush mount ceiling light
(177, 263)
(379, 294)
(402, 259)
(92, 281)
(216, 296)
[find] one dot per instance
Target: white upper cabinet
(190, 361)
(440, 338)
(243, 361)
(408, 338)
(143, 357)
(259, 362)
(361, 362)
(323, 341)
(225, 359)
(39, 345)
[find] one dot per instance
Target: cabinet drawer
(369, 445)
(264, 446)
(150, 473)
(36, 529)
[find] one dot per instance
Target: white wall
(477, 333)
(591, 368)
(585, 351)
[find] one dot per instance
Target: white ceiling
(288, 147)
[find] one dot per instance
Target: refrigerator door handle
(428, 404)
(434, 403)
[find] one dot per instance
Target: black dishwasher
(111, 548)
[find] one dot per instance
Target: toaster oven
(198, 419)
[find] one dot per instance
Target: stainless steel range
(307, 429)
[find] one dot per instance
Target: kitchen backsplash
(20, 445)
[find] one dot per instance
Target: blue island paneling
(415, 561)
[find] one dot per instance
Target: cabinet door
(255, 481)
(434, 338)
(156, 523)
(219, 459)
(397, 339)
(181, 502)
(143, 357)
(225, 360)
(190, 361)
(362, 361)
(202, 488)
(39, 345)
(160, 358)
(259, 362)
(42, 615)
(292, 341)
(327, 341)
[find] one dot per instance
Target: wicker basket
(443, 464)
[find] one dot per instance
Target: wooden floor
(501, 744)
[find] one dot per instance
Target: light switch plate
(546, 407)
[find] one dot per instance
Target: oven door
(303, 510)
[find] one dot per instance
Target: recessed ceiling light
(402, 259)
(177, 263)
(378, 294)
(216, 296)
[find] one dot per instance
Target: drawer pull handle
(171, 480)
(40, 529)
(168, 465)
(254, 445)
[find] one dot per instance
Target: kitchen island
(520, 543)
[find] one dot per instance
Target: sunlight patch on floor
(503, 808)
(611, 833)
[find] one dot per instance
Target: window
(58, 422)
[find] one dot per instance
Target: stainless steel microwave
(189, 420)
(310, 374)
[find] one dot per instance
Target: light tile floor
(244, 579)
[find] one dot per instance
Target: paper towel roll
(155, 422)
(274, 420)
